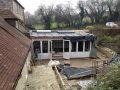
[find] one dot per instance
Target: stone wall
(107, 52)
(3, 3)
(6, 4)
(22, 28)
(14, 7)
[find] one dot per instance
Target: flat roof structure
(57, 33)
(68, 43)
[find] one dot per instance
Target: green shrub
(108, 39)
(114, 40)
(109, 80)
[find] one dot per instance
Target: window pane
(74, 46)
(66, 46)
(80, 46)
(57, 45)
(45, 46)
(36, 46)
(87, 45)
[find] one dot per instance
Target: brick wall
(11, 22)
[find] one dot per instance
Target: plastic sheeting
(74, 72)
(93, 53)
(53, 62)
(80, 38)
(114, 60)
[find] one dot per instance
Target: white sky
(32, 5)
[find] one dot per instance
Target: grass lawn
(53, 25)
(39, 26)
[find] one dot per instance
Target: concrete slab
(42, 78)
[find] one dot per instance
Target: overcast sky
(32, 5)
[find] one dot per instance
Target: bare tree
(30, 19)
(116, 10)
(110, 5)
(81, 5)
(95, 9)
(59, 14)
(65, 14)
(45, 14)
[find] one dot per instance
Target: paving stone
(42, 78)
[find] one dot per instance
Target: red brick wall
(11, 22)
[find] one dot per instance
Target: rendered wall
(18, 11)
(23, 79)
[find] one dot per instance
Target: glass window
(57, 45)
(45, 46)
(36, 46)
(87, 45)
(74, 46)
(66, 46)
(80, 46)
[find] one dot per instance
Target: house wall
(22, 28)
(5, 4)
(14, 7)
(23, 79)
(11, 22)
(18, 10)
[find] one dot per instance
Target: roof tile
(14, 47)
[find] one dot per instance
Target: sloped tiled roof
(7, 14)
(14, 47)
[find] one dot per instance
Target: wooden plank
(32, 63)
(61, 81)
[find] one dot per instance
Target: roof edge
(19, 4)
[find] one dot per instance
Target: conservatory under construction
(47, 44)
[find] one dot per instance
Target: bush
(95, 27)
(108, 80)
(115, 40)
(108, 39)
